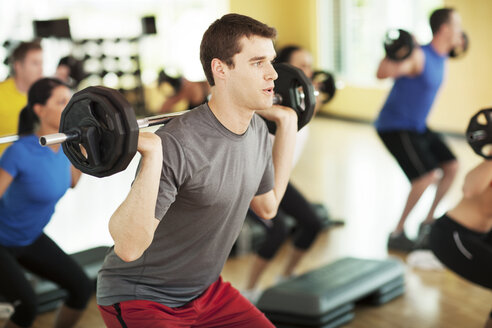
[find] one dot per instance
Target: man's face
(303, 60)
(63, 73)
(455, 29)
(250, 82)
(30, 69)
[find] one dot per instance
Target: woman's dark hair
(285, 53)
(38, 93)
(76, 68)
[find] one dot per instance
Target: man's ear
(16, 66)
(219, 69)
(445, 28)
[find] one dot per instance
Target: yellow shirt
(11, 103)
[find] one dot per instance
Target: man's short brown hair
(221, 40)
(21, 51)
(439, 17)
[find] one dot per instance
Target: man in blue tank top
(401, 124)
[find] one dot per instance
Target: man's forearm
(283, 154)
(133, 224)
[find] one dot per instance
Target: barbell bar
(99, 131)
(57, 138)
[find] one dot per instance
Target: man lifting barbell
(100, 120)
(198, 175)
(401, 124)
(399, 45)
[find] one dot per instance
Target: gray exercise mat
(343, 314)
(322, 290)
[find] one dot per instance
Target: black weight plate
(129, 125)
(89, 110)
(479, 133)
(460, 51)
(398, 44)
(296, 91)
(326, 85)
(105, 111)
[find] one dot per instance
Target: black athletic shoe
(400, 243)
(423, 236)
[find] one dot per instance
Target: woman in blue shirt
(32, 180)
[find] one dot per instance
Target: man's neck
(440, 45)
(21, 85)
(235, 118)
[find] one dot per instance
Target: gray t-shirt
(209, 177)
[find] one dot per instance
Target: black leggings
(308, 224)
(45, 259)
(466, 252)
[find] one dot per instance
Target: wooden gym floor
(346, 167)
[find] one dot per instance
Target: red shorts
(221, 305)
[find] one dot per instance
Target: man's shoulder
(10, 94)
(259, 124)
(184, 126)
(7, 84)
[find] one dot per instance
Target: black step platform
(49, 294)
(326, 296)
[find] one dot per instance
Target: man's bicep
(411, 66)
(173, 174)
(392, 69)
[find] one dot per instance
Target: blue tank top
(411, 98)
(41, 178)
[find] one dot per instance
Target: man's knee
(426, 179)
(313, 226)
(80, 294)
(450, 168)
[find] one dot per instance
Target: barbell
(399, 44)
(479, 133)
(293, 89)
(326, 85)
(459, 51)
(99, 131)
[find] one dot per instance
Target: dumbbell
(99, 130)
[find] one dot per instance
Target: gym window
(351, 34)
